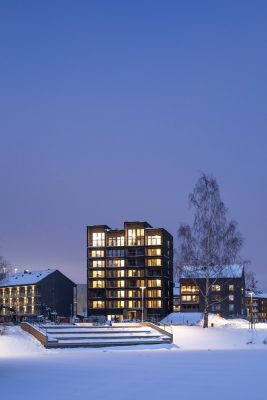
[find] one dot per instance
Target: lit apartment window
(231, 288)
(116, 241)
(116, 263)
(154, 240)
(231, 297)
(154, 252)
(116, 293)
(135, 283)
(154, 262)
(190, 298)
(98, 264)
(134, 304)
(134, 293)
(135, 272)
(136, 237)
(154, 282)
(189, 289)
(115, 274)
(153, 293)
(215, 288)
(97, 284)
(116, 304)
(98, 239)
(98, 274)
(153, 304)
(97, 304)
(116, 284)
(97, 253)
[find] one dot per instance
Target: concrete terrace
(87, 335)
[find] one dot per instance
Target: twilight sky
(109, 111)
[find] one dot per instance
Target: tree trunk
(206, 318)
(206, 307)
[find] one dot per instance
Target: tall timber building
(129, 271)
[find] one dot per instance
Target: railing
(165, 329)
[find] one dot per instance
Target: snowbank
(219, 362)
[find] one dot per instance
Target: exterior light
(143, 289)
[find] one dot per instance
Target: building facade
(32, 293)
(226, 292)
(80, 300)
(129, 271)
(256, 304)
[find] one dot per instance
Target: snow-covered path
(212, 371)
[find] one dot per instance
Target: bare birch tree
(4, 268)
(211, 242)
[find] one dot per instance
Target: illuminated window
(215, 288)
(116, 263)
(98, 274)
(97, 304)
(97, 253)
(153, 293)
(98, 264)
(154, 262)
(115, 274)
(116, 241)
(135, 272)
(154, 240)
(98, 239)
(231, 288)
(134, 293)
(190, 298)
(154, 252)
(154, 282)
(136, 237)
(134, 304)
(116, 284)
(231, 297)
(97, 284)
(116, 304)
(116, 293)
(136, 283)
(189, 289)
(153, 304)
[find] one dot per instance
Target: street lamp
(251, 310)
(142, 288)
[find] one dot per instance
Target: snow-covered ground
(224, 362)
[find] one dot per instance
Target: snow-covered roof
(224, 271)
(25, 278)
(257, 295)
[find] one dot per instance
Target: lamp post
(142, 288)
(251, 310)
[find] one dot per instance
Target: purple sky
(110, 110)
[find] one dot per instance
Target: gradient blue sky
(110, 110)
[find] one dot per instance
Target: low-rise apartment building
(31, 293)
(226, 291)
